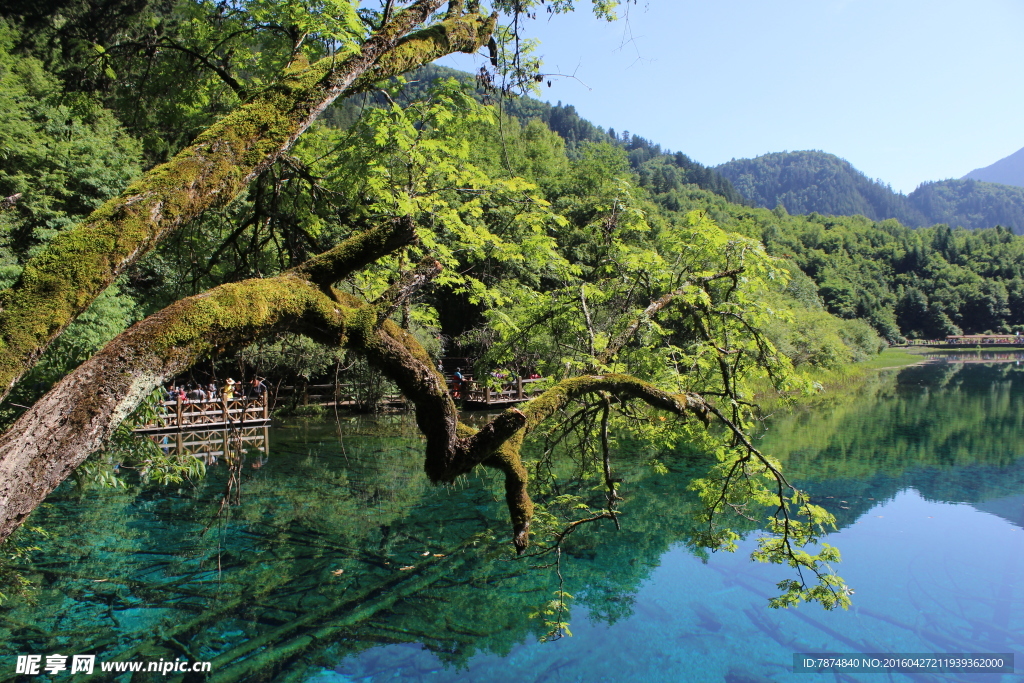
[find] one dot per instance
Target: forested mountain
(808, 181)
(813, 181)
(1007, 171)
(915, 282)
(970, 203)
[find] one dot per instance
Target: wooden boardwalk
(977, 356)
(239, 413)
(193, 415)
(342, 395)
(961, 340)
(474, 395)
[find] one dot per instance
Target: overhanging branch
(408, 284)
(623, 337)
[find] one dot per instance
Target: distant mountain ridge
(1007, 171)
(815, 181)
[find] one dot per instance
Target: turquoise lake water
(341, 563)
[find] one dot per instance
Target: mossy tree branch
(60, 283)
(653, 308)
(73, 420)
(406, 286)
(56, 435)
(75, 417)
(357, 252)
(507, 455)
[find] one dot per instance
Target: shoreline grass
(829, 382)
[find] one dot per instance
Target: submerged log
(330, 620)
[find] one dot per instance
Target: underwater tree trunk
(60, 283)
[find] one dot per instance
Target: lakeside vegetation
(918, 279)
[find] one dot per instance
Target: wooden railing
(971, 340)
(344, 394)
(979, 356)
(192, 414)
(510, 392)
(189, 414)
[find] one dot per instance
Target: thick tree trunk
(60, 283)
(60, 431)
(74, 419)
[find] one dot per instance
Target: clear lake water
(342, 564)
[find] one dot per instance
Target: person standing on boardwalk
(257, 388)
(457, 383)
(227, 392)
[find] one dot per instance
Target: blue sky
(906, 90)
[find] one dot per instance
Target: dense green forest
(813, 181)
(907, 282)
(669, 170)
(79, 134)
(573, 162)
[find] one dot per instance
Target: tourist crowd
(228, 391)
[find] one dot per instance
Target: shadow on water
(343, 564)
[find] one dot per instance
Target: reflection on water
(343, 564)
(976, 356)
(212, 446)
